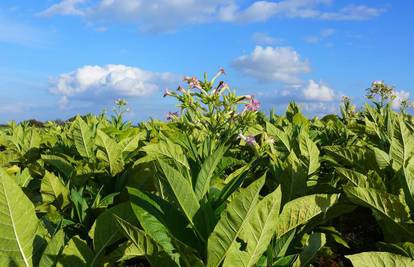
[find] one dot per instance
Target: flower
(171, 116)
(250, 140)
(167, 93)
(253, 105)
(193, 82)
(180, 89)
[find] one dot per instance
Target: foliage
(220, 184)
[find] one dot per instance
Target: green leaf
(207, 170)
(388, 206)
(61, 164)
(301, 210)
(165, 150)
(83, 138)
(109, 152)
(18, 224)
(407, 182)
(354, 177)
(231, 223)
(310, 151)
(105, 231)
(52, 189)
(379, 259)
(154, 254)
(282, 136)
(315, 243)
(76, 253)
(23, 179)
(381, 157)
(257, 232)
(182, 190)
(293, 179)
(402, 145)
(53, 249)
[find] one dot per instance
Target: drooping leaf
(310, 151)
(354, 177)
(388, 206)
(61, 164)
(231, 223)
(301, 210)
(18, 224)
(380, 259)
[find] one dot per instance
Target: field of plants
(219, 184)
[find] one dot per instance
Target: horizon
(62, 58)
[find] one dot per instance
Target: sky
(59, 58)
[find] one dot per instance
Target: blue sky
(59, 58)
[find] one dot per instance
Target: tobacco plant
(218, 184)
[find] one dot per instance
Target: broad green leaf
(61, 164)
(402, 145)
(76, 253)
(354, 177)
(105, 231)
(301, 210)
(53, 249)
(52, 189)
(380, 259)
(126, 251)
(165, 150)
(316, 242)
(310, 151)
(257, 232)
(388, 206)
(83, 138)
(23, 179)
(153, 253)
(293, 179)
(109, 152)
(407, 182)
(18, 224)
(181, 189)
(207, 170)
(381, 157)
(232, 222)
(282, 136)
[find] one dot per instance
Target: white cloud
(282, 64)
(261, 38)
(322, 35)
(65, 7)
(93, 83)
(318, 92)
(353, 12)
(400, 96)
(168, 15)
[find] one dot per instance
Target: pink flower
(171, 116)
(253, 105)
(193, 82)
(167, 93)
(250, 140)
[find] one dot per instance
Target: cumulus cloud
(318, 92)
(166, 15)
(94, 83)
(400, 96)
(282, 64)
